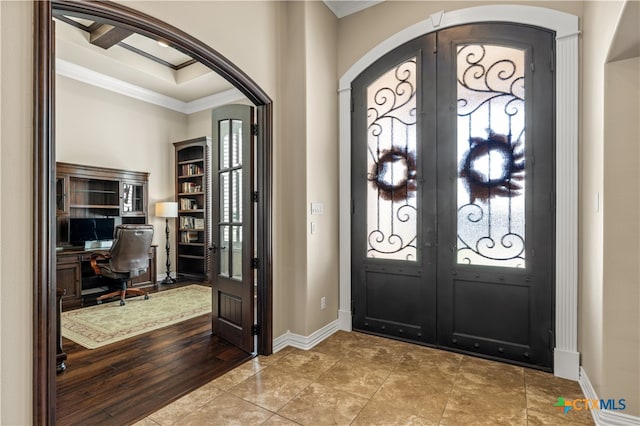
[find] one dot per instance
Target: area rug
(101, 325)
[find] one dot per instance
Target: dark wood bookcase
(84, 191)
(193, 192)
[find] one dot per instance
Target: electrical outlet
(323, 303)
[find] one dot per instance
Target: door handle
(214, 248)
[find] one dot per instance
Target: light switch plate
(317, 208)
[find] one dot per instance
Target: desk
(76, 278)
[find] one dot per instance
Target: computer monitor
(90, 229)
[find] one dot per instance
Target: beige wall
(290, 148)
(361, 32)
(321, 164)
(16, 211)
(621, 210)
(597, 31)
(102, 128)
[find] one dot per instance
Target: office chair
(127, 259)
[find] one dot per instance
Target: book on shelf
(198, 223)
(189, 187)
(187, 222)
(189, 236)
(188, 204)
(191, 169)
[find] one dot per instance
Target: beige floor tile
(487, 392)
(557, 418)
(339, 344)
(361, 379)
(422, 357)
(428, 362)
(307, 364)
(270, 388)
(172, 413)
(277, 420)
(479, 407)
(321, 405)
(478, 373)
(543, 383)
(239, 374)
(376, 414)
(227, 410)
(468, 419)
(542, 392)
(415, 395)
(146, 422)
(353, 376)
(268, 360)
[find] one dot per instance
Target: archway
(44, 307)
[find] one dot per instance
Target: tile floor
(357, 379)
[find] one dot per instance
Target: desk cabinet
(69, 279)
(75, 276)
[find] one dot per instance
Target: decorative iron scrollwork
(491, 214)
(391, 119)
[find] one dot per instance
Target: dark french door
(232, 218)
(452, 185)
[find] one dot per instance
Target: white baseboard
(304, 342)
(604, 417)
(566, 364)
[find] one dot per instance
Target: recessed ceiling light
(163, 43)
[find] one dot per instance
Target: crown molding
(343, 8)
(94, 78)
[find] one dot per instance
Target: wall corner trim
(566, 364)
(604, 417)
(344, 320)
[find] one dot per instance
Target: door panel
(496, 232)
(233, 283)
(394, 196)
(453, 230)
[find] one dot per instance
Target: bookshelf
(194, 204)
(84, 191)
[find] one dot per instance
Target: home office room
(134, 121)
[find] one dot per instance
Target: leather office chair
(127, 258)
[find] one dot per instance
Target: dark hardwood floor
(124, 382)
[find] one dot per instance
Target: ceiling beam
(106, 36)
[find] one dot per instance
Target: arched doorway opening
(44, 307)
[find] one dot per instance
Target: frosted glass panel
(236, 253)
(236, 194)
(491, 147)
(224, 143)
(225, 245)
(391, 164)
(224, 197)
(236, 143)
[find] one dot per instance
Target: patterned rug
(101, 325)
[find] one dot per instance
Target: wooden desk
(76, 278)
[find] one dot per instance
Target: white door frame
(566, 355)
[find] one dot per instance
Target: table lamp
(167, 210)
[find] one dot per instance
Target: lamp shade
(167, 209)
